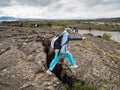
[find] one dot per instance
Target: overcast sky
(60, 9)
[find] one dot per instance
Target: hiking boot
(74, 66)
(49, 72)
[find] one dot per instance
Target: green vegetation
(87, 25)
(106, 36)
(49, 24)
(80, 86)
(67, 87)
(113, 55)
(79, 25)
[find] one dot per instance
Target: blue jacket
(65, 41)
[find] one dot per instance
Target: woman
(64, 51)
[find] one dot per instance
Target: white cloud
(23, 12)
(60, 9)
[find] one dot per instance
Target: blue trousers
(57, 58)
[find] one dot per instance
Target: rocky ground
(25, 55)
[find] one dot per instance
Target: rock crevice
(25, 57)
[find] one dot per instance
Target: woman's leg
(54, 61)
(70, 58)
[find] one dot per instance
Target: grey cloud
(93, 3)
(104, 4)
(5, 3)
(1, 12)
(32, 3)
(70, 9)
(56, 7)
(38, 3)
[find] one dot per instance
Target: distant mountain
(8, 18)
(117, 19)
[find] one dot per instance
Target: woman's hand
(84, 38)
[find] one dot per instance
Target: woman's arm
(74, 38)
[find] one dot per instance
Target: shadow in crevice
(58, 70)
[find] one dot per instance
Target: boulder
(24, 68)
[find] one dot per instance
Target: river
(115, 34)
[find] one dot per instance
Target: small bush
(106, 36)
(64, 25)
(90, 34)
(30, 25)
(79, 86)
(49, 24)
(13, 29)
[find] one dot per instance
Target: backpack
(56, 41)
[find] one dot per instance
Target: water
(115, 34)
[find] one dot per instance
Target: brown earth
(25, 55)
